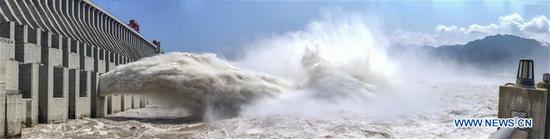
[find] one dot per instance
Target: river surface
(476, 99)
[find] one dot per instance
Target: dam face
(52, 53)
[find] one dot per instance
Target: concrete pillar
(7, 54)
(110, 62)
(116, 59)
(116, 103)
(14, 114)
(52, 55)
(86, 58)
(7, 39)
(27, 48)
(10, 85)
(108, 104)
(98, 102)
(45, 88)
(71, 58)
(64, 45)
(135, 101)
(11, 75)
(2, 65)
(112, 66)
(60, 93)
(53, 94)
(120, 60)
(83, 100)
(100, 59)
(74, 88)
(128, 102)
(53, 81)
(125, 102)
(13, 110)
(94, 105)
(142, 102)
(2, 108)
(28, 86)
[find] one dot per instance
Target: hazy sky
(222, 26)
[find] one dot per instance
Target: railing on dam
(80, 20)
(52, 53)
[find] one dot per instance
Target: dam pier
(52, 53)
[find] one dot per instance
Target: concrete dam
(52, 53)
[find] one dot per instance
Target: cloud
(401, 37)
(509, 24)
(537, 28)
(474, 28)
(539, 24)
(443, 28)
(512, 22)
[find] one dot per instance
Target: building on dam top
(51, 55)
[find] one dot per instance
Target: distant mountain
(495, 52)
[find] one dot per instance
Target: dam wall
(52, 53)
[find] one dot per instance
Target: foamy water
(196, 82)
(332, 79)
(337, 65)
(476, 99)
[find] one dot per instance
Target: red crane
(134, 24)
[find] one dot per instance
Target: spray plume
(333, 66)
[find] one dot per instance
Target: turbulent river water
(475, 99)
(330, 68)
(330, 80)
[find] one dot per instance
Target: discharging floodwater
(454, 100)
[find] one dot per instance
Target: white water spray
(334, 66)
(192, 81)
